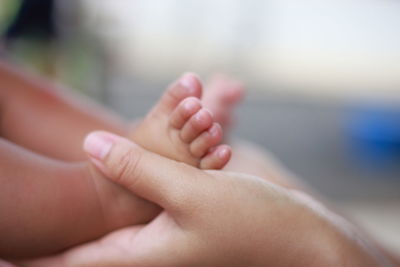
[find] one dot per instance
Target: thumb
(148, 175)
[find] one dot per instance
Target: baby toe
(217, 158)
(207, 139)
(188, 85)
(198, 123)
(184, 111)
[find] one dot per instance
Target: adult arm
(28, 181)
(38, 115)
(215, 219)
(48, 205)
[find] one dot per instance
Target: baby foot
(178, 127)
(221, 96)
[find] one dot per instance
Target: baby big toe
(188, 85)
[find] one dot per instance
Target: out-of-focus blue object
(374, 133)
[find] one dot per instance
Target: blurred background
(322, 77)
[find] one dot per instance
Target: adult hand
(210, 218)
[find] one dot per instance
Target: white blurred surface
(380, 219)
(324, 47)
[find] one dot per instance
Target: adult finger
(148, 175)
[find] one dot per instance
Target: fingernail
(189, 81)
(97, 145)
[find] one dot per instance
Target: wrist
(331, 240)
(119, 207)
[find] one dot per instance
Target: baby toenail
(214, 130)
(189, 82)
(200, 115)
(190, 104)
(223, 153)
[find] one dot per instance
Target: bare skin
(74, 120)
(35, 114)
(214, 218)
(222, 95)
(183, 129)
(187, 130)
(27, 99)
(44, 201)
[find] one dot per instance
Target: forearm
(45, 205)
(331, 240)
(38, 116)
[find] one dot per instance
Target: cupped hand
(210, 218)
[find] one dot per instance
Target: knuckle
(127, 168)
